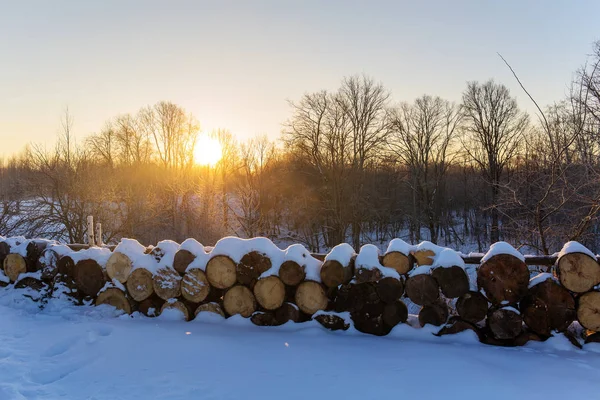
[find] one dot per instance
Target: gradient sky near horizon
(234, 64)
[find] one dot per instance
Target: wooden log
(398, 261)
(151, 305)
(32, 283)
(593, 337)
(174, 304)
(167, 283)
(395, 313)
(89, 277)
(422, 289)
(311, 297)
(195, 286)
(504, 278)
(424, 257)
(118, 267)
(221, 272)
(287, 312)
(66, 266)
(14, 265)
(239, 300)
(504, 323)
(182, 259)
(588, 311)
(368, 323)
(214, 308)
(332, 322)
(291, 273)
(527, 336)
(344, 300)
(389, 289)
(548, 307)
(114, 297)
(269, 292)
(264, 318)
(333, 273)
(435, 314)
(578, 272)
(251, 266)
(34, 251)
(140, 285)
(453, 281)
(364, 275)
(457, 325)
(366, 300)
(4, 251)
(48, 264)
(472, 307)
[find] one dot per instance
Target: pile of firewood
(271, 287)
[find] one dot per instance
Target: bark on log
(548, 307)
(424, 257)
(14, 265)
(66, 266)
(214, 308)
(332, 322)
(167, 283)
(114, 297)
(239, 300)
(366, 300)
(389, 289)
(592, 338)
(453, 281)
(457, 325)
(578, 272)
(287, 312)
(251, 266)
(173, 304)
(48, 264)
(398, 261)
(343, 300)
(140, 285)
(504, 278)
(151, 305)
(89, 277)
(34, 250)
(367, 323)
(32, 283)
(395, 313)
(118, 267)
(269, 292)
(527, 336)
(221, 272)
(291, 273)
(182, 259)
(472, 307)
(422, 289)
(195, 286)
(264, 318)
(334, 274)
(504, 324)
(310, 297)
(4, 251)
(435, 314)
(588, 311)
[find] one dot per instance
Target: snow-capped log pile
(270, 286)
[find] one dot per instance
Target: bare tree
(494, 129)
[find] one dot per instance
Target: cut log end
(422, 289)
(389, 289)
(578, 272)
(588, 311)
(453, 281)
(251, 266)
(14, 265)
(395, 313)
(270, 292)
(214, 308)
(177, 305)
(398, 261)
(424, 257)
(332, 322)
(118, 267)
(434, 314)
(472, 307)
(140, 285)
(333, 273)
(89, 277)
(221, 272)
(311, 297)
(291, 273)
(167, 283)
(114, 297)
(504, 324)
(195, 286)
(182, 259)
(239, 300)
(505, 279)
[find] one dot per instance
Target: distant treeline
(350, 165)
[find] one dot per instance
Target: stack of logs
(507, 309)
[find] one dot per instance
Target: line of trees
(351, 165)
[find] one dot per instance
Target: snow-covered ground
(88, 353)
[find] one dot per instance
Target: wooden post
(99, 234)
(90, 230)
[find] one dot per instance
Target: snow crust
(447, 258)
(542, 277)
(502, 248)
(368, 258)
(341, 253)
(301, 256)
(98, 254)
(400, 246)
(575, 247)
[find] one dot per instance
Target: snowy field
(67, 352)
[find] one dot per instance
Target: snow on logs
(255, 279)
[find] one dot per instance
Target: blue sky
(234, 64)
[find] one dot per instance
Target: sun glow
(207, 151)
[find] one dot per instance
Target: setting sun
(207, 151)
